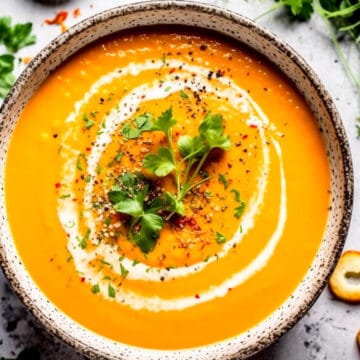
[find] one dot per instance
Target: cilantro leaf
(164, 122)
(130, 132)
(19, 36)
(6, 81)
(161, 164)
(5, 25)
(299, 9)
(236, 194)
(144, 122)
(146, 237)
(111, 291)
(211, 130)
(173, 205)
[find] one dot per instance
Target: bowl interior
(241, 30)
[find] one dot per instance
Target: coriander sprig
(130, 194)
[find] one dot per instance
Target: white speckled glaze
(244, 31)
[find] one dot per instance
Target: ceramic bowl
(242, 30)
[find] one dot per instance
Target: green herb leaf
(173, 205)
(144, 122)
(130, 132)
(220, 238)
(6, 76)
(164, 122)
(95, 289)
(183, 94)
(161, 164)
(18, 37)
(239, 210)
(123, 270)
(131, 207)
(211, 130)
(146, 237)
(223, 180)
(88, 122)
(237, 195)
(111, 291)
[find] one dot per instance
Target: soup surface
(167, 189)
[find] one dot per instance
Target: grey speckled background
(328, 330)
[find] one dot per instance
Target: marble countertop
(328, 330)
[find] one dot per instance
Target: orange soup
(167, 189)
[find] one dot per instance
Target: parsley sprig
(341, 18)
(185, 160)
(13, 38)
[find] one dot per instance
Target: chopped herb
(167, 89)
(163, 58)
(121, 258)
(223, 180)
(239, 210)
(123, 270)
(65, 196)
(99, 169)
(88, 122)
(93, 114)
(83, 241)
(95, 289)
(237, 195)
(118, 156)
(208, 194)
(130, 191)
(183, 94)
(87, 178)
(107, 221)
(220, 238)
(135, 262)
(104, 262)
(111, 291)
(207, 258)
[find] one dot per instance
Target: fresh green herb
(99, 169)
(358, 128)
(121, 258)
(220, 238)
(223, 180)
(128, 197)
(95, 289)
(88, 122)
(104, 262)
(135, 262)
(93, 114)
(17, 36)
(111, 291)
(107, 221)
(341, 18)
(14, 38)
(129, 194)
(118, 156)
(6, 73)
(87, 178)
(163, 58)
(123, 270)
(78, 163)
(239, 210)
(183, 94)
(237, 195)
(167, 89)
(83, 241)
(207, 258)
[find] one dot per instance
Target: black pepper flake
(203, 47)
(55, 136)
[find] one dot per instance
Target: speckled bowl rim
(245, 344)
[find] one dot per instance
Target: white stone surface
(328, 330)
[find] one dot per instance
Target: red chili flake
(58, 19)
(88, 149)
(82, 279)
(253, 126)
(245, 137)
(76, 12)
(182, 221)
(197, 296)
(57, 185)
(229, 289)
(172, 70)
(67, 234)
(143, 96)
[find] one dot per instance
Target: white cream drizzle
(68, 210)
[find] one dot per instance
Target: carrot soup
(167, 189)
